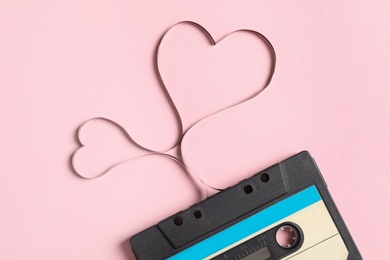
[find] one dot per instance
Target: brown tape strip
(180, 160)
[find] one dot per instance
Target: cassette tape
(282, 212)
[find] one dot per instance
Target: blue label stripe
(250, 225)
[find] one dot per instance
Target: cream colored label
(331, 248)
(321, 237)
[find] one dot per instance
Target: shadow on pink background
(63, 62)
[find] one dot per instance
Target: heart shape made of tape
(203, 76)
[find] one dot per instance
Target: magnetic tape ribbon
(180, 160)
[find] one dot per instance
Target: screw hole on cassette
(248, 189)
(197, 214)
(178, 221)
(264, 177)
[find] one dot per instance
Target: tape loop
(180, 160)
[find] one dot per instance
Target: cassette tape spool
(282, 212)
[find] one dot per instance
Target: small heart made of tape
(104, 145)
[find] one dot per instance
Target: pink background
(63, 62)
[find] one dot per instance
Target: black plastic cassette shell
(220, 210)
(233, 205)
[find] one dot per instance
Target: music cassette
(282, 212)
